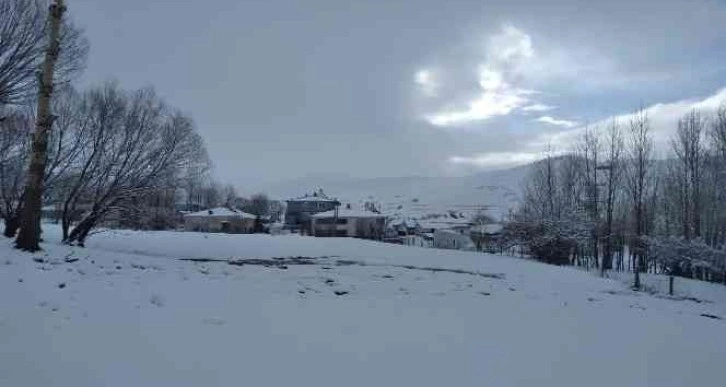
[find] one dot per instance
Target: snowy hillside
(130, 311)
(493, 191)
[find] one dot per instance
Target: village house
(449, 230)
(299, 210)
(346, 222)
(486, 236)
(401, 227)
(453, 239)
(220, 219)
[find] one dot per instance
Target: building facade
(453, 239)
(299, 211)
(349, 223)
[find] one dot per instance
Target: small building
(345, 222)
(486, 236)
(420, 240)
(299, 210)
(399, 227)
(452, 239)
(220, 219)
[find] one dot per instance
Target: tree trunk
(11, 226)
(80, 232)
(65, 226)
(636, 270)
(29, 235)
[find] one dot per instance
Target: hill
(495, 192)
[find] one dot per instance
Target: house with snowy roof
(349, 222)
(220, 219)
(300, 210)
(446, 238)
(399, 226)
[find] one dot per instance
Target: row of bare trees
(97, 156)
(613, 204)
(112, 153)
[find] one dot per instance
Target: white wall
(449, 239)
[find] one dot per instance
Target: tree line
(611, 203)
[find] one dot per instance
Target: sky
(286, 89)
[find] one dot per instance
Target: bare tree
(258, 205)
(639, 151)
(23, 35)
(21, 47)
(14, 143)
(230, 195)
(133, 146)
(589, 153)
(29, 235)
(718, 177)
(613, 167)
(689, 150)
(212, 194)
(194, 176)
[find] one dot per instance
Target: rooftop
(316, 196)
(221, 211)
(348, 213)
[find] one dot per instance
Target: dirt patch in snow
(343, 262)
(276, 262)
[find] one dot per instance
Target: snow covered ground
(126, 311)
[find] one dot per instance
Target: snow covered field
(129, 312)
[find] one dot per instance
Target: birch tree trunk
(29, 235)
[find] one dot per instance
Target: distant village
(319, 215)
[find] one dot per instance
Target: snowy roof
(311, 199)
(308, 198)
(491, 228)
(348, 213)
(399, 221)
(318, 196)
(221, 211)
(444, 224)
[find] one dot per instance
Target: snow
(129, 312)
(221, 211)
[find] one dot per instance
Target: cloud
(507, 54)
(426, 82)
(488, 105)
(557, 122)
(538, 107)
(663, 118)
